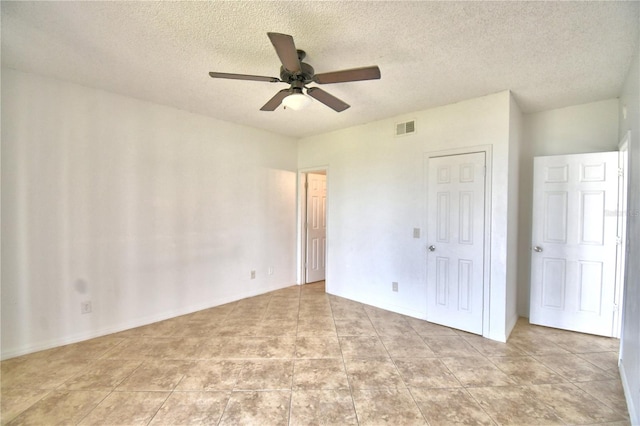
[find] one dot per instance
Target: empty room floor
(299, 356)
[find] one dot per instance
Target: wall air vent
(406, 128)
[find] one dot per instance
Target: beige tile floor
(298, 356)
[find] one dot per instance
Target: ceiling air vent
(406, 128)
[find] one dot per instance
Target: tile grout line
(402, 378)
(344, 364)
(164, 402)
(240, 360)
(396, 367)
(110, 391)
(294, 356)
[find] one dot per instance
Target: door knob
(432, 248)
(537, 249)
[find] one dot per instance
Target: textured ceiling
(550, 54)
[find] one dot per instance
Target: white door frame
(301, 254)
(488, 152)
(623, 147)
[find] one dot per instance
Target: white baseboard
(383, 305)
(634, 413)
(511, 325)
(127, 325)
(420, 314)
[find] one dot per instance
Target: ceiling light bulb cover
(296, 101)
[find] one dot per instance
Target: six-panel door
(455, 228)
(573, 258)
(316, 227)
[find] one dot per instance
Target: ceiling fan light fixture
(296, 101)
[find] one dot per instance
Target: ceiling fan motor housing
(305, 74)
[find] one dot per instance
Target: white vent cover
(406, 128)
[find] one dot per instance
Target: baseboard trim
(138, 322)
(634, 414)
(511, 324)
(386, 306)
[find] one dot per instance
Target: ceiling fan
(298, 74)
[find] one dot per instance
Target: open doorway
(312, 218)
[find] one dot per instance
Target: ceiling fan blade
(286, 50)
(244, 77)
(354, 74)
(275, 102)
(327, 99)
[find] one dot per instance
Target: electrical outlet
(416, 232)
(253, 275)
(394, 286)
(85, 307)
(270, 270)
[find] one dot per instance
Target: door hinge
(620, 171)
(615, 307)
(618, 241)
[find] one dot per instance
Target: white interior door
(573, 261)
(316, 227)
(455, 234)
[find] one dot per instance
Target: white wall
(376, 197)
(630, 352)
(514, 228)
(145, 210)
(152, 212)
(576, 129)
